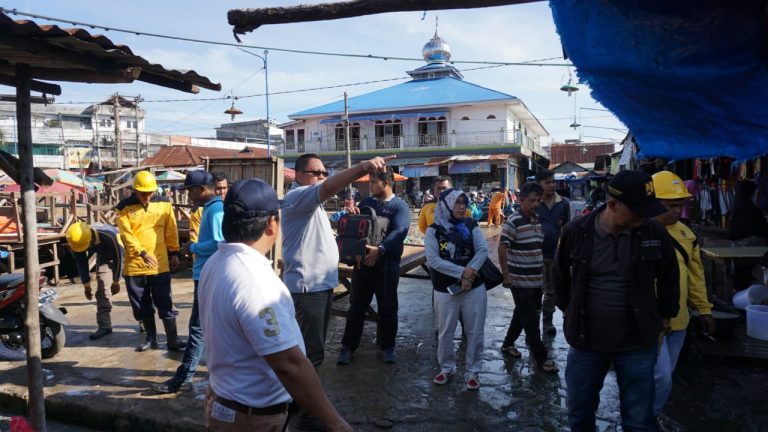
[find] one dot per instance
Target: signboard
(420, 171)
(78, 157)
(469, 167)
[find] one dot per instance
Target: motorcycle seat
(10, 280)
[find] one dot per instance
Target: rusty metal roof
(73, 54)
(183, 155)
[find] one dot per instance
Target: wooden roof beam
(184, 86)
(246, 20)
(127, 75)
(38, 86)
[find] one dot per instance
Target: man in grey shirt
(310, 253)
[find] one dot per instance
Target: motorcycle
(12, 314)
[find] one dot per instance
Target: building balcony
(463, 140)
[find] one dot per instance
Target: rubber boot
(547, 326)
(151, 329)
(174, 343)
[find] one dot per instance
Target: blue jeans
(584, 376)
(665, 365)
(195, 345)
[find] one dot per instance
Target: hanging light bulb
(232, 111)
(575, 124)
(569, 88)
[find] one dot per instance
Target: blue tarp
(687, 77)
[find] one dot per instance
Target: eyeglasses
(317, 173)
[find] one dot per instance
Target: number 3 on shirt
(268, 315)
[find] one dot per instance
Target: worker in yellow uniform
(495, 213)
(148, 229)
(427, 213)
(672, 193)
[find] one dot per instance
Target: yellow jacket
(427, 216)
(194, 224)
(151, 230)
(693, 289)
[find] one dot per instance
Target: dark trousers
(195, 345)
(146, 291)
(526, 317)
(367, 282)
(313, 312)
(584, 378)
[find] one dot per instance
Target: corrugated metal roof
(409, 95)
(179, 156)
(49, 50)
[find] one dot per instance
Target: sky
(509, 34)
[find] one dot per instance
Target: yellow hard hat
(79, 237)
(144, 182)
(669, 186)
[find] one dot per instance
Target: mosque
(437, 123)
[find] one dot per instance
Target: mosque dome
(436, 50)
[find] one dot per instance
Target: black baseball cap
(635, 189)
(197, 178)
(255, 197)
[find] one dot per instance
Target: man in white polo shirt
(254, 349)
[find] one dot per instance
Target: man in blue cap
(255, 354)
(200, 186)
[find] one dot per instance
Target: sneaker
(443, 378)
(389, 355)
(345, 357)
(100, 333)
(172, 386)
(473, 383)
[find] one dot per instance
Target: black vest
(465, 251)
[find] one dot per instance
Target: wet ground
(104, 384)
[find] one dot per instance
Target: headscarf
(444, 213)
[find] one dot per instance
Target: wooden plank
(735, 252)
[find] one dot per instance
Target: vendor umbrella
(64, 176)
(56, 187)
(398, 178)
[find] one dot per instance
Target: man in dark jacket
(104, 242)
(380, 273)
(616, 281)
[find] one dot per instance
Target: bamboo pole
(31, 260)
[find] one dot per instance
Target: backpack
(356, 231)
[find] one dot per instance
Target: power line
(287, 50)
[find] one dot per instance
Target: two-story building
(436, 123)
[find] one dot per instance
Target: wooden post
(31, 260)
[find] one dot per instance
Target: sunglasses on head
(316, 173)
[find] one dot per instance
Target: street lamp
(266, 94)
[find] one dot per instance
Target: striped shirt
(524, 238)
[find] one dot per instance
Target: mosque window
(491, 117)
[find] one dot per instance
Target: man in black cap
(616, 281)
(254, 348)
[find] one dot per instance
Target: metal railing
(406, 142)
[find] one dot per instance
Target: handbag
(490, 274)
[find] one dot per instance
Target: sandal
(511, 351)
(549, 366)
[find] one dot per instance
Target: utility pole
(96, 143)
(138, 144)
(118, 137)
(350, 194)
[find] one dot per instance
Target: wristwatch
(381, 250)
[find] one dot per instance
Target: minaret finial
(436, 25)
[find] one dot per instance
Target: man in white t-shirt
(254, 349)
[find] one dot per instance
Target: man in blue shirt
(380, 273)
(554, 212)
(200, 185)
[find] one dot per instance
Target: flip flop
(549, 366)
(511, 351)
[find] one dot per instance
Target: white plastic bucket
(755, 294)
(757, 322)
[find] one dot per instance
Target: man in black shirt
(616, 281)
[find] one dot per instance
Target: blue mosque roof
(443, 91)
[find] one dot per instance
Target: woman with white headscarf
(456, 249)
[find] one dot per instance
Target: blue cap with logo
(255, 197)
(197, 178)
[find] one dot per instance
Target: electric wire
(287, 50)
